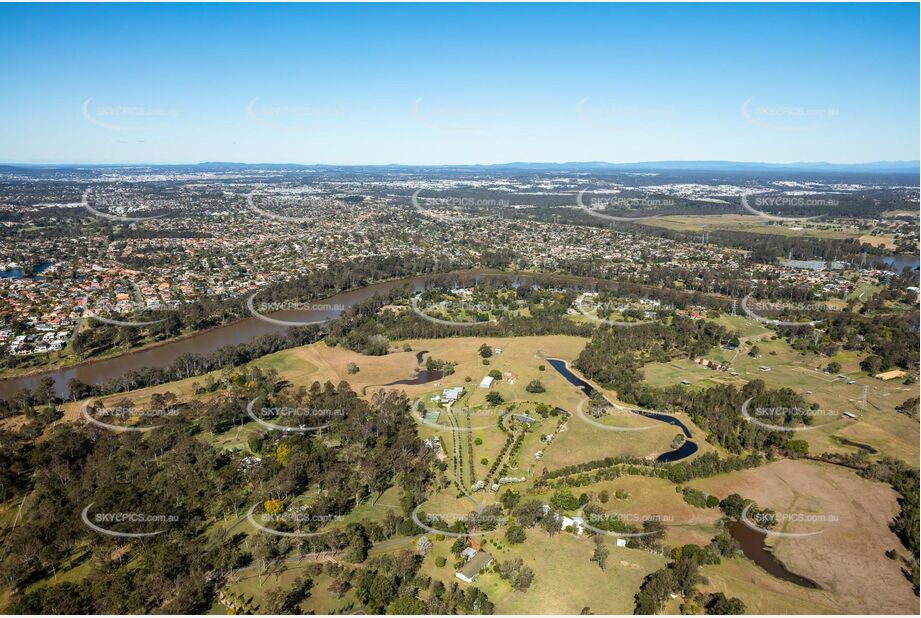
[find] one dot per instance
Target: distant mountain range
(913, 167)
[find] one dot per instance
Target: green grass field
(565, 579)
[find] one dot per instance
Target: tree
(509, 499)
(460, 543)
(564, 500)
(725, 544)
(407, 606)
(286, 601)
(600, 555)
(833, 367)
(535, 386)
(485, 351)
(379, 594)
(494, 398)
(796, 448)
(351, 369)
(522, 580)
(604, 496)
(872, 364)
(552, 524)
(515, 535)
(423, 545)
(339, 587)
(529, 513)
(754, 352)
(720, 605)
(732, 505)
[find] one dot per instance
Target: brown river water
(206, 342)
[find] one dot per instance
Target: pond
(752, 543)
(688, 448)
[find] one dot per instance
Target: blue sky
(438, 84)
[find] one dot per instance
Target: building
(476, 562)
(450, 395)
(486, 382)
(576, 523)
(621, 542)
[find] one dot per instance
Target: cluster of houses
(47, 339)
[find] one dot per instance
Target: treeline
(609, 468)
(769, 248)
(615, 356)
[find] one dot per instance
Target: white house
(451, 394)
(576, 523)
(476, 561)
(486, 382)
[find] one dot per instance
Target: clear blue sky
(458, 83)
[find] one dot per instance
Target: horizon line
(898, 162)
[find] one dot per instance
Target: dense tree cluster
(184, 485)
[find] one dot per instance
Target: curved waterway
(246, 329)
(688, 448)
(752, 543)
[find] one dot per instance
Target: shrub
(535, 386)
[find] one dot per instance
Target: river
(246, 329)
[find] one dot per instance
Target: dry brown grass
(847, 559)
